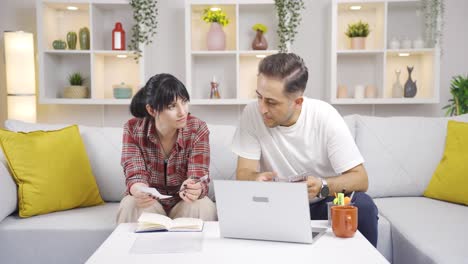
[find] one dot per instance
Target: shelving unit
(236, 67)
(100, 65)
(376, 64)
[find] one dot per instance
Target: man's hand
(190, 190)
(143, 200)
(314, 184)
(266, 176)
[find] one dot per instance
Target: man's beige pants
(203, 208)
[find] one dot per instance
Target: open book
(150, 222)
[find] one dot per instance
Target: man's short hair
(288, 67)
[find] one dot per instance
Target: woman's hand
(190, 190)
(143, 200)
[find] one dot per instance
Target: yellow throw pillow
(450, 179)
(52, 170)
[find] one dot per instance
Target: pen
(202, 179)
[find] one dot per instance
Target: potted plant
(358, 33)
(145, 14)
(289, 18)
(259, 42)
(76, 88)
(216, 38)
(459, 90)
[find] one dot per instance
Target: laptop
(275, 211)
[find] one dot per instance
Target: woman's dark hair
(159, 92)
(287, 67)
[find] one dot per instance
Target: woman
(166, 148)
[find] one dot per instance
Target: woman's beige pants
(203, 208)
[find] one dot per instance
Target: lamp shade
(19, 60)
(22, 108)
(20, 75)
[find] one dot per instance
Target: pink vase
(358, 43)
(216, 38)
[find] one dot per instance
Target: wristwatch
(324, 190)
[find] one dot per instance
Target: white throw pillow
(8, 189)
(401, 153)
(103, 146)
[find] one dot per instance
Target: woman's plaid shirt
(143, 157)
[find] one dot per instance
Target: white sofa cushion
(103, 146)
(69, 236)
(8, 189)
(401, 153)
(223, 161)
(426, 230)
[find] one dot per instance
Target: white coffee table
(217, 250)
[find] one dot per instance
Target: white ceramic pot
(406, 44)
(359, 91)
(394, 43)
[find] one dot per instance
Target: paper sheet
(153, 192)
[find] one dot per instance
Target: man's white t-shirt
(319, 143)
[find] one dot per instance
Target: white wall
(166, 54)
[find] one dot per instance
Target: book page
(147, 220)
(193, 224)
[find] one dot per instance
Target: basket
(76, 91)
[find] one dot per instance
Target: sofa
(401, 154)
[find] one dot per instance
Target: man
(285, 133)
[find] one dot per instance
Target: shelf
(429, 51)
(101, 66)
(236, 67)
(104, 18)
(58, 66)
(376, 65)
(405, 20)
(370, 12)
(353, 52)
(200, 28)
(220, 101)
(68, 51)
(214, 53)
(251, 14)
(423, 73)
(86, 101)
(366, 69)
(57, 21)
(204, 68)
(109, 70)
(256, 52)
(114, 53)
(375, 101)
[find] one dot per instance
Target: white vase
(216, 38)
(397, 88)
(359, 91)
(394, 43)
(406, 43)
(418, 43)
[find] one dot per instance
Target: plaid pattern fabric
(143, 158)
